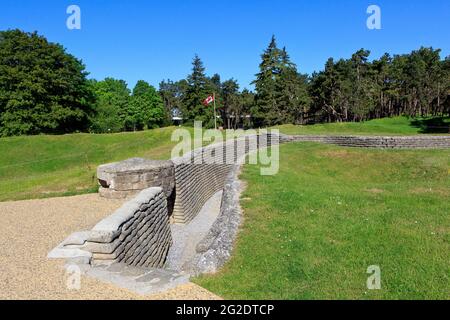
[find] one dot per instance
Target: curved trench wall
(139, 232)
(202, 173)
(408, 142)
(215, 248)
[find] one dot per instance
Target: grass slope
(40, 166)
(45, 166)
(385, 126)
(311, 231)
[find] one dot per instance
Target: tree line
(354, 89)
(43, 89)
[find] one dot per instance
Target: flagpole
(215, 117)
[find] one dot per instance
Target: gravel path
(30, 229)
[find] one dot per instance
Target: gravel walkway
(30, 229)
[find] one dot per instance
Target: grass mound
(43, 166)
(385, 126)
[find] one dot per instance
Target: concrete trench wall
(121, 180)
(216, 247)
(403, 142)
(195, 184)
(196, 181)
(139, 233)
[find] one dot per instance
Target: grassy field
(386, 126)
(43, 166)
(311, 231)
(46, 166)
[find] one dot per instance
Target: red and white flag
(208, 100)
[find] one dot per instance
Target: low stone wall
(137, 234)
(393, 142)
(195, 184)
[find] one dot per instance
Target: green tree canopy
(113, 97)
(281, 92)
(43, 89)
(356, 89)
(146, 108)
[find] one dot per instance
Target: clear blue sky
(155, 40)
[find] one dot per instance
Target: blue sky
(155, 40)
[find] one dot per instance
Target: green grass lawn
(385, 126)
(311, 231)
(43, 166)
(46, 166)
(58, 165)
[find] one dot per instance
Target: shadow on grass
(432, 125)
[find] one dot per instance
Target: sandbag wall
(409, 142)
(202, 173)
(137, 234)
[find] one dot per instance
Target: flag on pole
(208, 100)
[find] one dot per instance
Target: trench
(184, 223)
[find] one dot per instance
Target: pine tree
(292, 92)
(265, 112)
(197, 90)
(281, 92)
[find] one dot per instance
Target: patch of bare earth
(445, 192)
(340, 154)
(374, 190)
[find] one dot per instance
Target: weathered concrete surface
(123, 179)
(140, 280)
(202, 173)
(215, 248)
(186, 237)
(383, 142)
